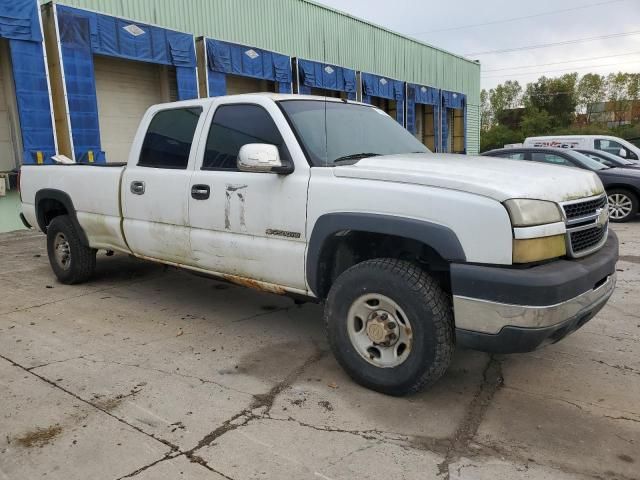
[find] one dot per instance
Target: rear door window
(168, 140)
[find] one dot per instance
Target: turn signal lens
(537, 249)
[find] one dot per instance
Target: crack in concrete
(492, 381)
(623, 418)
(172, 447)
(492, 450)
(240, 419)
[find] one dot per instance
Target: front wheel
(390, 326)
(70, 260)
(623, 205)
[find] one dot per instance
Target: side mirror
(622, 153)
(261, 158)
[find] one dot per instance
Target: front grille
(587, 225)
(582, 209)
(585, 239)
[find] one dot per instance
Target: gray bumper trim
(490, 317)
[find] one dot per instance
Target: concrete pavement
(151, 373)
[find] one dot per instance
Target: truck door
(155, 185)
(248, 224)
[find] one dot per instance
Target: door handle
(137, 187)
(200, 192)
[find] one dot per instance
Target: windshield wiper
(354, 156)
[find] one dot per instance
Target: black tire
(427, 307)
(81, 259)
(634, 204)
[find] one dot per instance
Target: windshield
(588, 163)
(608, 159)
(346, 132)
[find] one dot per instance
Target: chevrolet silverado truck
(333, 201)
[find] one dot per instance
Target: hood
(619, 172)
(497, 178)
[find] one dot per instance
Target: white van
(614, 145)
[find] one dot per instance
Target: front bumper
(506, 310)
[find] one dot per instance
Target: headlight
(528, 213)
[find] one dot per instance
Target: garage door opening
(425, 126)
(125, 90)
(385, 93)
(237, 85)
(386, 105)
(458, 131)
(453, 122)
(10, 143)
(455, 130)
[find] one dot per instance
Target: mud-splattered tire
(71, 261)
(413, 299)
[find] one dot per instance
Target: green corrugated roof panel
(305, 29)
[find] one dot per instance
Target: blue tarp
(452, 100)
(32, 98)
(83, 34)
(383, 87)
(420, 94)
(225, 58)
(20, 20)
(20, 24)
(326, 76)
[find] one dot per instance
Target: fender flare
(442, 239)
(65, 200)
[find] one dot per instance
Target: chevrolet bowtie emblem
(603, 217)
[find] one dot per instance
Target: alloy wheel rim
(620, 206)
(379, 330)
(62, 251)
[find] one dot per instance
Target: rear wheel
(70, 260)
(390, 326)
(623, 205)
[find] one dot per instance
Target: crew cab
(332, 201)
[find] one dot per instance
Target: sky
(420, 19)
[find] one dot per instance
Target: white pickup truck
(333, 201)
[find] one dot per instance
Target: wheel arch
(50, 203)
(329, 228)
(623, 186)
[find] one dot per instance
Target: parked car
(333, 201)
(614, 145)
(609, 159)
(622, 184)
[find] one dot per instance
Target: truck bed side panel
(95, 193)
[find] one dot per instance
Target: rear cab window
(167, 143)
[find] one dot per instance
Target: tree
(506, 96)
(617, 95)
(485, 111)
(633, 94)
(536, 122)
(590, 91)
(556, 96)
